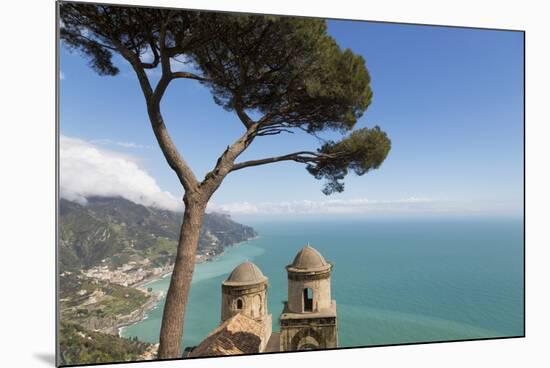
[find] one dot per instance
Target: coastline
(135, 316)
(152, 304)
(168, 270)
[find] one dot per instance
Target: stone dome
(246, 273)
(308, 259)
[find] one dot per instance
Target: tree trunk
(171, 331)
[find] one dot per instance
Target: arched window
(308, 300)
(239, 304)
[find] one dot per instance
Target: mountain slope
(113, 231)
(81, 346)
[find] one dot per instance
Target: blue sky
(450, 99)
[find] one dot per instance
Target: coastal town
(104, 300)
(133, 275)
(129, 274)
(110, 250)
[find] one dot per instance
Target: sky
(450, 99)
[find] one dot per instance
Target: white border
(27, 200)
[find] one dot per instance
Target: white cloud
(329, 206)
(87, 170)
(119, 143)
(364, 206)
(61, 75)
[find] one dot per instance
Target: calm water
(393, 281)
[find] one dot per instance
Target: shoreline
(147, 280)
(141, 314)
(139, 285)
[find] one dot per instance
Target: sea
(394, 281)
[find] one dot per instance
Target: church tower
(308, 321)
(245, 291)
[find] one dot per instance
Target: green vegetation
(275, 74)
(110, 300)
(119, 231)
(364, 150)
(162, 252)
(114, 232)
(81, 346)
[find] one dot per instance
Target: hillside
(107, 249)
(113, 231)
(80, 346)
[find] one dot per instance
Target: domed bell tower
(308, 321)
(245, 291)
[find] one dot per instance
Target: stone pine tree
(276, 74)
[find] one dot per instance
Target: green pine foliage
(288, 71)
(363, 150)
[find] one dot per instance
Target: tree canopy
(287, 73)
(286, 70)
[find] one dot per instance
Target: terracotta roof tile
(237, 335)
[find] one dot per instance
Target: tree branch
(226, 160)
(274, 131)
(164, 56)
(97, 42)
(266, 119)
(171, 154)
(243, 116)
(156, 57)
(188, 75)
(302, 157)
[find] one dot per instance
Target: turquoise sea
(394, 281)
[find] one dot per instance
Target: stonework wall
(253, 298)
(308, 334)
(254, 305)
(320, 286)
(311, 328)
(268, 329)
